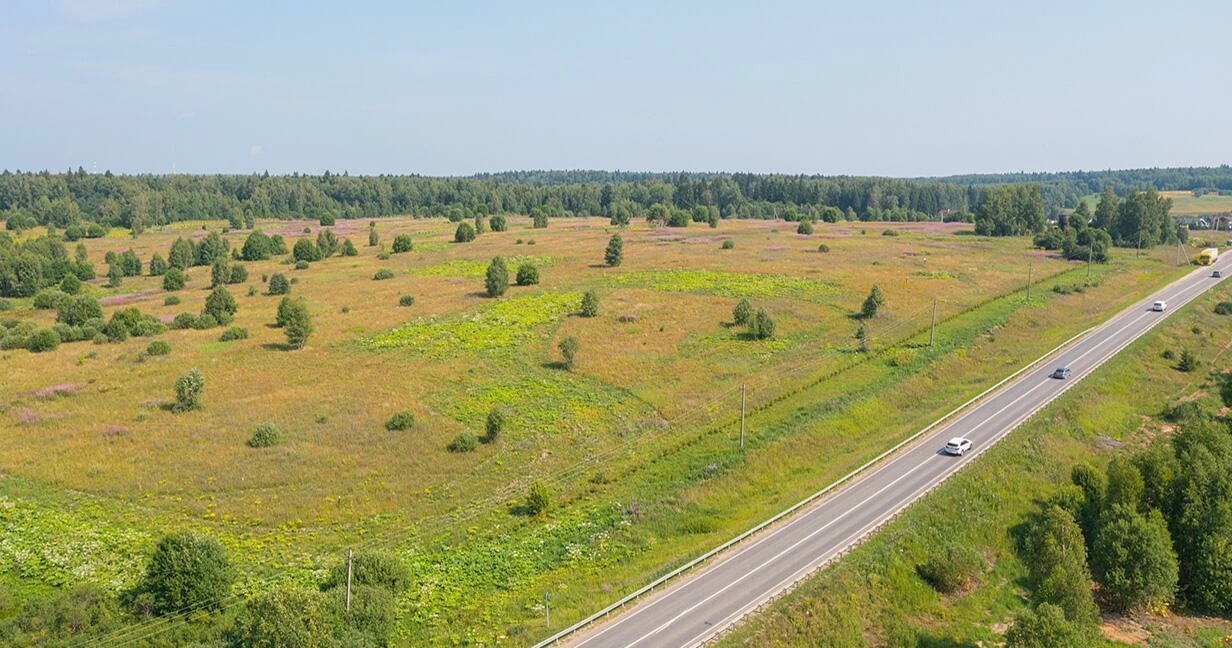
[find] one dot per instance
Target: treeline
(76, 199)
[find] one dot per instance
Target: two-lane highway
(695, 609)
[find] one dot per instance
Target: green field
(1184, 203)
(636, 443)
(874, 595)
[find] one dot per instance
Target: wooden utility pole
(932, 331)
(1090, 252)
(1030, 269)
(742, 417)
(348, 591)
(547, 610)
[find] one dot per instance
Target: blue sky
(879, 87)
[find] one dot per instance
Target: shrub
(406, 300)
(43, 340)
(872, 303)
(497, 223)
(465, 233)
(205, 322)
(5, 305)
(296, 322)
(403, 243)
(823, 248)
(187, 570)
(539, 220)
(327, 244)
(528, 274)
(614, 255)
(174, 279)
(371, 569)
(889, 232)
(1188, 362)
(75, 310)
(304, 250)
(221, 305)
(494, 425)
(402, 420)
(761, 327)
(590, 304)
(257, 247)
(568, 350)
(301, 265)
(373, 238)
(1133, 559)
(182, 255)
(266, 435)
(1045, 627)
(326, 220)
(70, 285)
(805, 227)
(951, 567)
(48, 299)
(158, 348)
(239, 274)
(220, 272)
(158, 265)
(742, 314)
(188, 390)
(727, 244)
(464, 442)
(184, 321)
(496, 279)
(233, 333)
(287, 616)
(1223, 308)
(538, 499)
(278, 284)
(382, 274)
(171, 300)
(348, 248)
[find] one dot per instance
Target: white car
(1159, 306)
(958, 446)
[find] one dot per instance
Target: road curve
(698, 607)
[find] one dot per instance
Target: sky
(878, 87)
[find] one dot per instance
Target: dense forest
(77, 198)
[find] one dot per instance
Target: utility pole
(348, 591)
(932, 331)
(1138, 250)
(742, 417)
(1030, 269)
(547, 611)
(1090, 253)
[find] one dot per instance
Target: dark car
(1061, 373)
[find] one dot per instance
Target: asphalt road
(703, 604)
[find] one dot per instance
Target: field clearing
(93, 477)
(1184, 203)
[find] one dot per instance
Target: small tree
(951, 567)
(480, 228)
(538, 498)
(402, 243)
(528, 274)
(590, 304)
(76, 310)
(348, 248)
(287, 616)
(761, 327)
(174, 279)
(464, 442)
(70, 285)
(727, 244)
(496, 280)
(115, 276)
(494, 425)
(221, 305)
(266, 435)
(465, 233)
(1188, 362)
(220, 272)
(1045, 627)
(278, 284)
(327, 244)
(187, 570)
(1133, 559)
(805, 227)
(373, 237)
(539, 220)
(497, 223)
(400, 421)
(872, 303)
(742, 314)
(1056, 557)
(568, 350)
(862, 337)
(614, 255)
(188, 390)
(297, 323)
(305, 251)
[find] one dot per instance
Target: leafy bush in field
(403, 243)
(70, 284)
(614, 255)
(1188, 362)
(187, 570)
(184, 321)
(296, 321)
(1056, 559)
(539, 220)
(538, 499)
(326, 220)
(590, 304)
(348, 248)
(382, 274)
(130, 321)
(494, 425)
(171, 300)
(205, 322)
(305, 251)
(287, 616)
(761, 327)
(890, 232)
(496, 280)
(48, 299)
(373, 569)
(158, 265)
(43, 340)
(400, 421)
(406, 300)
(188, 390)
(373, 237)
(805, 227)
(233, 333)
(278, 284)
(221, 305)
(568, 350)
(239, 274)
(257, 247)
(727, 244)
(742, 314)
(464, 442)
(301, 265)
(951, 567)
(327, 244)
(174, 279)
(528, 274)
(872, 303)
(5, 305)
(1044, 627)
(823, 248)
(1133, 559)
(264, 436)
(1223, 308)
(465, 233)
(158, 348)
(76, 310)
(497, 223)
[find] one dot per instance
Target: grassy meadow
(636, 443)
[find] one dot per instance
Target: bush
(373, 237)
(805, 227)
(75, 310)
(48, 299)
(761, 327)
(727, 244)
(590, 304)
(538, 499)
(465, 233)
(305, 251)
(889, 232)
(296, 322)
(1045, 627)
(348, 248)
(951, 567)
(496, 279)
(239, 274)
(872, 303)
(614, 255)
(382, 274)
(287, 616)
(1188, 362)
(233, 333)
(266, 435)
(494, 425)
(326, 220)
(221, 305)
(278, 284)
(1133, 559)
(158, 348)
(528, 274)
(497, 223)
(742, 314)
(464, 442)
(823, 248)
(406, 300)
(184, 321)
(174, 279)
(5, 305)
(568, 350)
(220, 272)
(400, 421)
(171, 300)
(1223, 308)
(403, 243)
(43, 340)
(205, 322)
(539, 220)
(301, 265)
(187, 570)
(188, 390)
(372, 569)
(70, 285)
